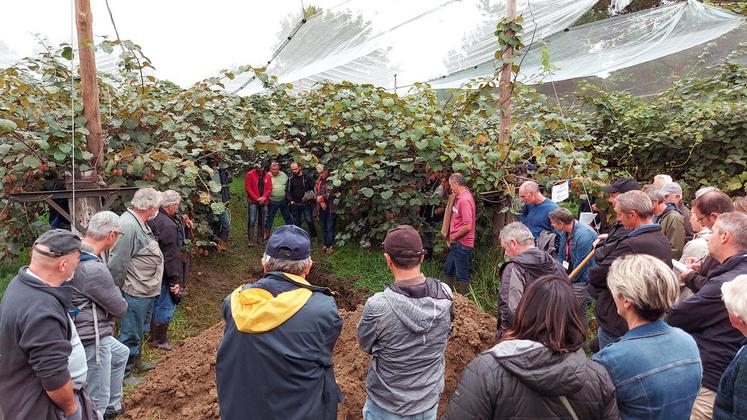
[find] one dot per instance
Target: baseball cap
(671, 188)
(403, 241)
(289, 242)
(622, 185)
(59, 241)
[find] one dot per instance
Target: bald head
(52, 270)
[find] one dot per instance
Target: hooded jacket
(673, 227)
(275, 358)
(703, 315)
(406, 328)
(524, 379)
(646, 239)
(516, 275)
(94, 289)
(35, 334)
(252, 187)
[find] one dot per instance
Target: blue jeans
(132, 327)
(164, 307)
(605, 338)
(272, 210)
(372, 411)
(328, 220)
(458, 261)
(105, 379)
(296, 210)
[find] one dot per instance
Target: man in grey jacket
(136, 263)
(98, 303)
(405, 328)
(526, 264)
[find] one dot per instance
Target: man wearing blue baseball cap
(275, 358)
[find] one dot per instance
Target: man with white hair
(671, 220)
(536, 209)
(661, 180)
(704, 315)
(731, 400)
(275, 358)
(136, 264)
(166, 228)
(99, 303)
(526, 264)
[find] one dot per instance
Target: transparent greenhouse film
(600, 48)
(388, 43)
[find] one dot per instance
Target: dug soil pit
(183, 384)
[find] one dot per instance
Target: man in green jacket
(671, 220)
(278, 200)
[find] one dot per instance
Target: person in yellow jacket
(275, 358)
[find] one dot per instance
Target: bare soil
(183, 384)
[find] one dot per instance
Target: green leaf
(386, 194)
(217, 208)
(67, 53)
(7, 126)
(367, 192)
(31, 161)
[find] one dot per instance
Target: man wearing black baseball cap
(275, 359)
(39, 363)
(405, 328)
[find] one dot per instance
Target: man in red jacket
(258, 186)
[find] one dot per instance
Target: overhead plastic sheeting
(600, 48)
(370, 42)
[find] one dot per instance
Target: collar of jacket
(643, 229)
(650, 329)
(729, 264)
(143, 225)
(62, 293)
(256, 310)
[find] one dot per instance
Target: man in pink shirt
(461, 237)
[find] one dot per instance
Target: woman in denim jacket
(656, 368)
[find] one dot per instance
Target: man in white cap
(673, 194)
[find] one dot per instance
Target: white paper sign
(560, 192)
(587, 218)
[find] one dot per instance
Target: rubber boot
(260, 235)
(160, 331)
(267, 235)
(462, 287)
(429, 254)
(223, 242)
(250, 235)
(449, 282)
(136, 365)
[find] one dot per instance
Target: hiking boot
(135, 364)
(111, 413)
(462, 287)
(449, 282)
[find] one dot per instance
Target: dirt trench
(183, 384)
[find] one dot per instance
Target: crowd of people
(669, 285)
(59, 357)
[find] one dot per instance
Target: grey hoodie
(405, 329)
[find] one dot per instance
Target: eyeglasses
(700, 219)
(119, 234)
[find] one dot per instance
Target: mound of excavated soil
(183, 385)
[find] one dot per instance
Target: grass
(9, 269)
(369, 268)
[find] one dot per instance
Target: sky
(187, 40)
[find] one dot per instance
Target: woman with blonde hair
(656, 368)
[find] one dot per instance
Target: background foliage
(379, 146)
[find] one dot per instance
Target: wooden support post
(89, 82)
(85, 208)
(504, 88)
(505, 82)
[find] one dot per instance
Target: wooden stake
(505, 81)
(85, 208)
(89, 82)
